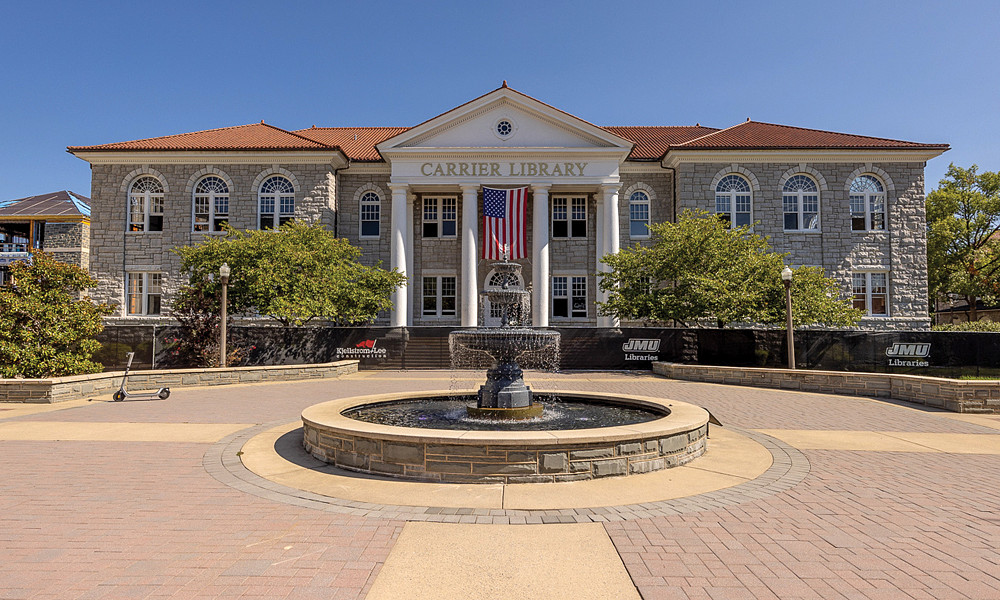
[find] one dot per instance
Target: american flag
(503, 223)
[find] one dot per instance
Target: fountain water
(504, 395)
(505, 437)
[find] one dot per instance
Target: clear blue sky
(81, 73)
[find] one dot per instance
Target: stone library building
(412, 198)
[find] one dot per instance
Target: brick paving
(172, 520)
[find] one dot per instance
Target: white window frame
(439, 311)
(569, 210)
(282, 202)
(869, 198)
(370, 202)
(433, 210)
(143, 287)
(148, 201)
(638, 199)
(798, 194)
(213, 198)
(732, 196)
(566, 287)
(865, 292)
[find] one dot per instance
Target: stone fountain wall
(506, 462)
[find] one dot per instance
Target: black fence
(941, 353)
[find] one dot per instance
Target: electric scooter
(122, 394)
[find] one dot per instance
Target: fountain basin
(465, 456)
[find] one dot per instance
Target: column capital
(398, 187)
(611, 188)
(541, 187)
(468, 186)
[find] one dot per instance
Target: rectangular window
(221, 218)
(137, 213)
(143, 291)
(871, 293)
(569, 297)
(202, 213)
(440, 217)
(439, 297)
(370, 218)
(790, 204)
(858, 213)
(569, 217)
(638, 219)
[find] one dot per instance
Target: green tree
(699, 269)
(46, 328)
(294, 274)
(963, 222)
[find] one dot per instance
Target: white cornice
(183, 157)
(676, 157)
(641, 167)
(374, 168)
(480, 153)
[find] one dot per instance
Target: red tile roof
(652, 142)
(358, 143)
(255, 136)
(754, 135)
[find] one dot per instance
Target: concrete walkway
(208, 495)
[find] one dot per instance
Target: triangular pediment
(504, 119)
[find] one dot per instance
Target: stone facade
(552, 153)
(899, 250)
(68, 242)
(117, 251)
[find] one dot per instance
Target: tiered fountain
(504, 396)
(501, 434)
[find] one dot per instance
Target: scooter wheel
(119, 396)
(164, 393)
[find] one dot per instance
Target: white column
(540, 251)
(399, 249)
(414, 285)
(470, 273)
(599, 244)
(611, 243)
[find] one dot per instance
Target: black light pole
(786, 278)
(224, 277)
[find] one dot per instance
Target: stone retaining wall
(957, 395)
(511, 462)
(61, 389)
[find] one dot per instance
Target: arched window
(638, 215)
(371, 214)
(145, 201)
(733, 200)
(800, 201)
(277, 202)
(211, 204)
(867, 204)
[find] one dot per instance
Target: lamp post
(786, 278)
(224, 277)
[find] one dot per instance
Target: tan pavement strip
(887, 441)
(431, 561)
(731, 459)
(202, 433)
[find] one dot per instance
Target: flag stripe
(504, 213)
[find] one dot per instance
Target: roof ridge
(664, 126)
(869, 137)
(292, 133)
(355, 127)
(717, 131)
